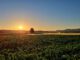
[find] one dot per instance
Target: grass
(39, 47)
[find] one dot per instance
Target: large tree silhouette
(32, 30)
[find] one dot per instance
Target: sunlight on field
(56, 34)
(61, 33)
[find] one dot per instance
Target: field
(39, 47)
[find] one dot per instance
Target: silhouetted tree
(32, 30)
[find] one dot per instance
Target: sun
(21, 27)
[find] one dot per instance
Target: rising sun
(21, 28)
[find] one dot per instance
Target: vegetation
(32, 30)
(39, 47)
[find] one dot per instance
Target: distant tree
(32, 30)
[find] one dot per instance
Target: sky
(39, 14)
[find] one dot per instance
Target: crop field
(39, 47)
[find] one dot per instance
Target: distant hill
(69, 31)
(61, 31)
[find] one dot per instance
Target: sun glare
(21, 28)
